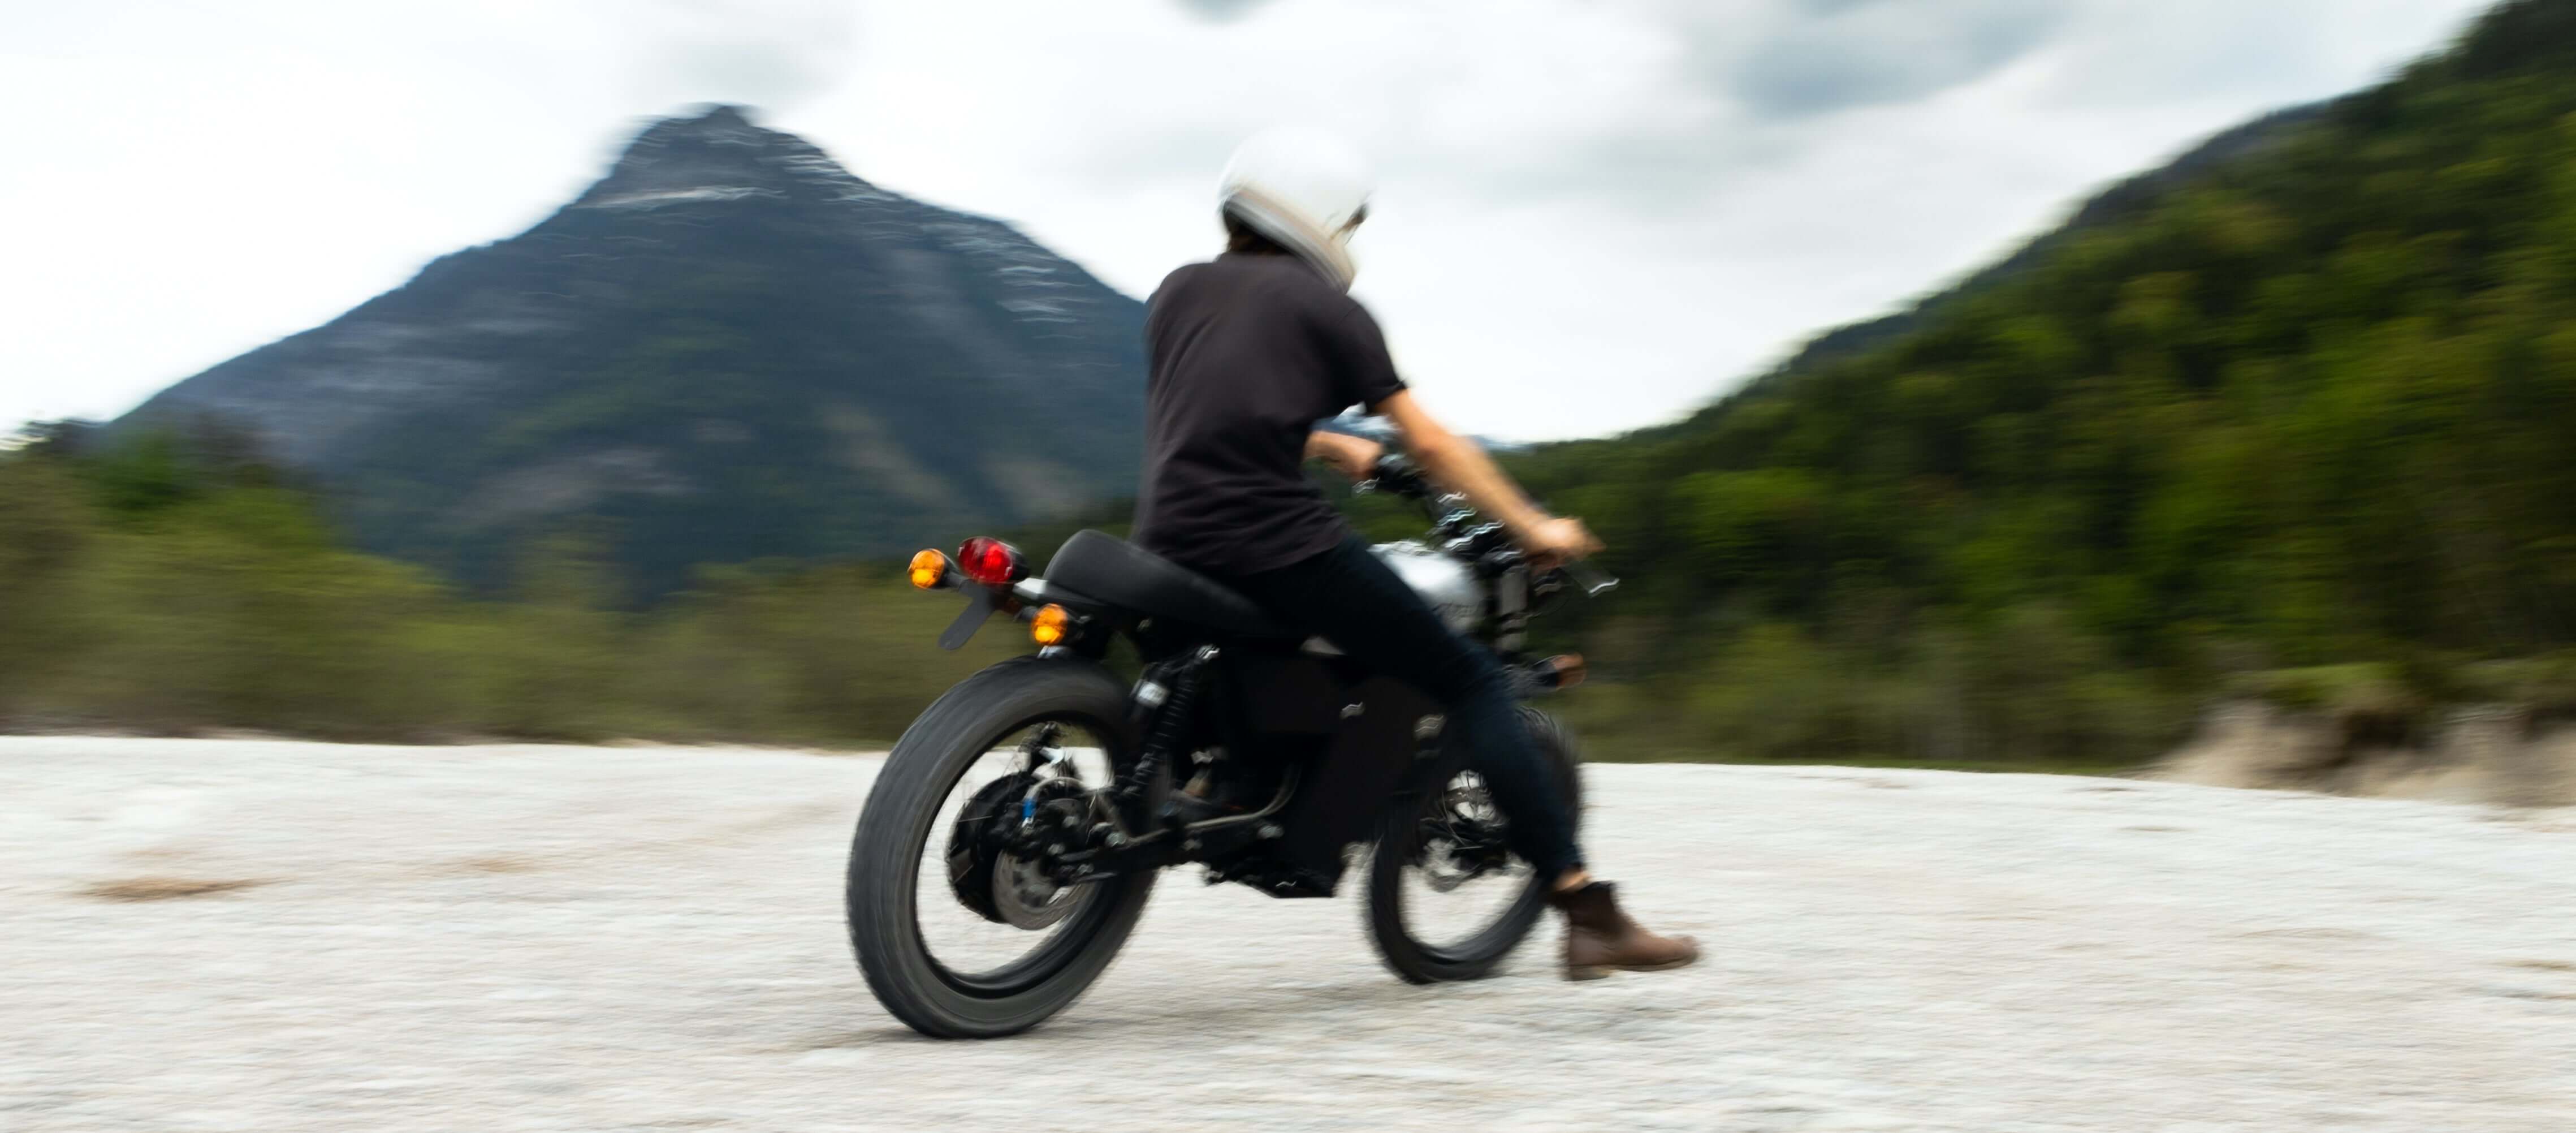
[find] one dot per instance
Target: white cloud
(771, 53)
(1595, 214)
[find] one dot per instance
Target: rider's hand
(1553, 542)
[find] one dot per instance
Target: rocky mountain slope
(728, 348)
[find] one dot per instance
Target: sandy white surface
(505, 938)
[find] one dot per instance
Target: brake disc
(976, 840)
(988, 871)
(1025, 897)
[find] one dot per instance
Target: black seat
(1106, 568)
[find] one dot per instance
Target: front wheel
(961, 924)
(1447, 899)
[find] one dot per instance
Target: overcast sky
(1595, 214)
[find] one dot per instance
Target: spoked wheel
(963, 919)
(1448, 900)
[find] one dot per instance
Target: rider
(1249, 351)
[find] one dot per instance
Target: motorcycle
(1018, 826)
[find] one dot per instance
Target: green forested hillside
(2312, 404)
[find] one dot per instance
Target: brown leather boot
(1599, 939)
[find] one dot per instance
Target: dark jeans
(1356, 602)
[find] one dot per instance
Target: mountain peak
(715, 114)
(713, 123)
(715, 151)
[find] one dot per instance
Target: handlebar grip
(1395, 475)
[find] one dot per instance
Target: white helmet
(1305, 189)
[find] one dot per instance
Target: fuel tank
(1446, 583)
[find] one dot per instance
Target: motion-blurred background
(2200, 377)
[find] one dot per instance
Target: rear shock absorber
(1171, 701)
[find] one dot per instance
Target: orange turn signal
(1567, 668)
(928, 570)
(1051, 625)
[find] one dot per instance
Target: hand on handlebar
(1555, 542)
(1355, 457)
(1394, 473)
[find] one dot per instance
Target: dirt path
(279, 936)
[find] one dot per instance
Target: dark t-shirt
(1248, 352)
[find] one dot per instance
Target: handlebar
(1396, 475)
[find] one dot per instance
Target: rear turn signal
(928, 570)
(1051, 625)
(1565, 670)
(991, 561)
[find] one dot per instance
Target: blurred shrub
(2031, 690)
(142, 587)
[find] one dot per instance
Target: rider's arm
(1461, 466)
(1355, 457)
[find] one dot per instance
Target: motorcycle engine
(1444, 582)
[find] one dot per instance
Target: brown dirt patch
(499, 863)
(167, 888)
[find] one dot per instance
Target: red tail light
(991, 561)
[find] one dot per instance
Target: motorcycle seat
(1108, 569)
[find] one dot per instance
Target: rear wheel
(1447, 898)
(962, 922)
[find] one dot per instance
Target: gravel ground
(283, 936)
